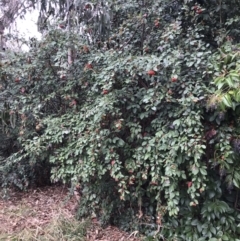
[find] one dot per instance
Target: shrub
(130, 121)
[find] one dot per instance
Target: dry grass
(43, 215)
(60, 228)
(40, 215)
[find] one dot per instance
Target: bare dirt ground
(36, 209)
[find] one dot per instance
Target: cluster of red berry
(197, 9)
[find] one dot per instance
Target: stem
(220, 3)
(236, 201)
(143, 30)
(1, 39)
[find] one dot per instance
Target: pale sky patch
(26, 28)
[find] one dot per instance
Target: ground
(48, 214)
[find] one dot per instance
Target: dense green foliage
(144, 118)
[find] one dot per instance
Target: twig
(236, 201)
(134, 233)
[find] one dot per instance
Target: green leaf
(230, 82)
(227, 100)
(203, 171)
(225, 238)
(176, 123)
(236, 183)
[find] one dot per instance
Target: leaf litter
(47, 213)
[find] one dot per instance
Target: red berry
(88, 66)
(73, 102)
(146, 49)
(63, 76)
(156, 23)
(151, 72)
(88, 6)
(174, 79)
(85, 49)
(105, 92)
